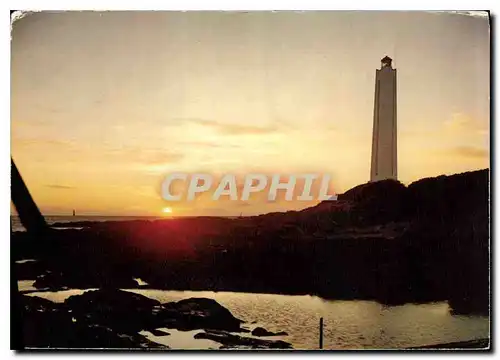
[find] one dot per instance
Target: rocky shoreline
(382, 241)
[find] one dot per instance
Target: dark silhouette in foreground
(28, 212)
(36, 227)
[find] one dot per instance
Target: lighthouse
(384, 164)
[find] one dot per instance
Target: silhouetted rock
(377, 202)
(29, 270)
(260, 331)
(78, 280)
(107, 300)
(119, 310)
(128, 312)
(113, 318)
(50, 325)
(202, 313)
(35, 304)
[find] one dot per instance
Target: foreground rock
(50, 325)
(200, 313)
(234, 341)
(60, 281)
(260, 331)
(111, 318)
(119, 310)
(130, 313)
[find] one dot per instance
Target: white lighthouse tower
(384, 144)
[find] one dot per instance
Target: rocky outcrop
(130, 313)
(50, 325)
(113, 319)
(235, 341)
(199, 313)
(76, 280)
(122, 311)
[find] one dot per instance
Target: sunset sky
(104, 105)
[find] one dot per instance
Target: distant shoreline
(141, 216)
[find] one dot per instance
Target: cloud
(60, 187)
(146, 156)
(18, 141)
(471, 152)
(234, 129)
(458, 127)
(30, 123)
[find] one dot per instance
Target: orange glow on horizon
(100, 137)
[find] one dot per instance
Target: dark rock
(119, 310)
(130, 313)
(110, 299)
(35, 304)
(29, 270)
(201, 313)
(57, 281)
(469, 305)
(50, 325)
(377, 202)
(232, 341)
(260, 331)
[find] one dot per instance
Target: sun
(167, 210)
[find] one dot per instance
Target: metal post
(321, 333)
